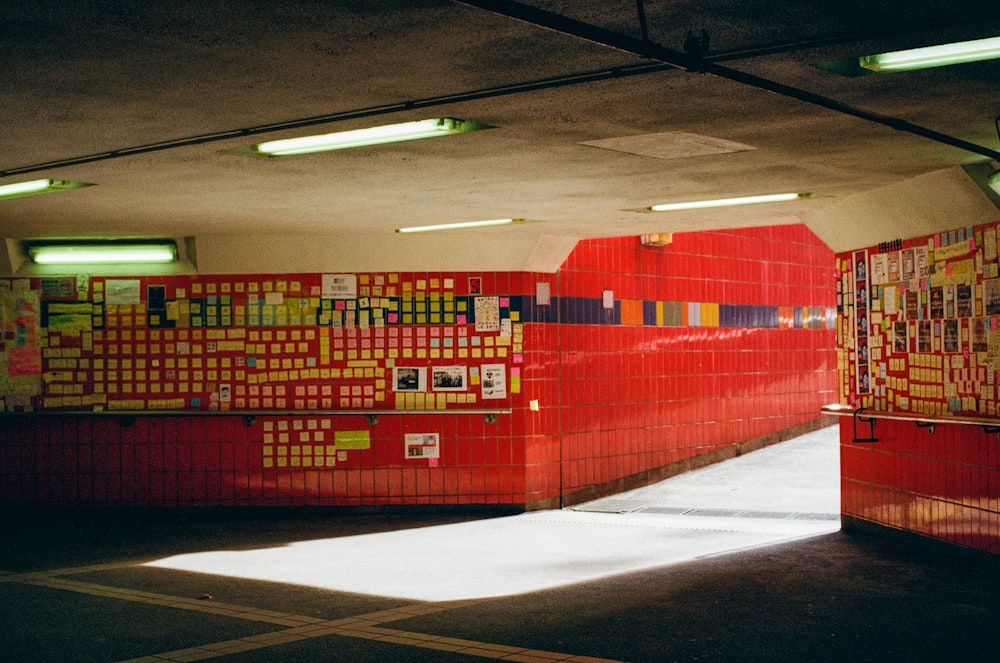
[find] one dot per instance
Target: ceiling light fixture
(994, 182)
(933, 56)
(34, 187)
(729, 202)
(85, 252)
(461, 225)
(390, 133)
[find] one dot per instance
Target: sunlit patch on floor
(497, 557)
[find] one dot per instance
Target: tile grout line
(365, 626)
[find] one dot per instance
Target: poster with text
(487, 311)
(494, 381)
(861, 349)
(423, 445)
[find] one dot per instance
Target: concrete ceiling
(163, 96)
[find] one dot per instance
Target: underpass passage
(797, 480)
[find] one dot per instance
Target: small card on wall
(543, 293)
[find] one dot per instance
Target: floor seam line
(366, 626)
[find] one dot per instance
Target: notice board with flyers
(354, 342)
(919, 324)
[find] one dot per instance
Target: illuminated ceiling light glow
(933, 56)
(391, 133)
(33, 187)
(729, 202)
(460, 226)
(95, 252)
(994, 182)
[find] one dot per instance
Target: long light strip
(460, 226)
(391, 133)
(933, 56)
(994, 181)
(102, 253)
(33, 187)
(728, 202)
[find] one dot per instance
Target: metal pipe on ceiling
(693, 63)
(677, 61)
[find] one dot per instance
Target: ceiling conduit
(692, 63)
(664, 60)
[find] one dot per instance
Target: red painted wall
(717, 338)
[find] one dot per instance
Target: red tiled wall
(945, 486)
(208, 461)
(637, 397)
(618, 392)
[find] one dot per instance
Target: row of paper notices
(347, 286)
(432, 401)
(918, 323)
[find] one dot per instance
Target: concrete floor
(740, 561)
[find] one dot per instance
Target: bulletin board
(919, 324)
(367, 341)
(20, 344)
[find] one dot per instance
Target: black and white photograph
(408, 378)
(449, 378)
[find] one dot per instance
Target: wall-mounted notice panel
(288, 342)
(20, 343)
(919, 324)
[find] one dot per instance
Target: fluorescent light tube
(85, 252)
(33, 187)
(994, 182)
(459, 226)
(933, 56)
(729, 202)
(391, 133)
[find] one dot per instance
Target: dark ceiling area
(597, 111)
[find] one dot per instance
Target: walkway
(705, 566)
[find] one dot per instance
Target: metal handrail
(249, 416)
(928, 421)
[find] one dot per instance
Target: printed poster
(900, 343)
(494, 381)
(880, 269)
(20, 347)
(339, 286)
(448, 378)
(893, 274)
(861, 332)
(409, 378)
(122, 292)
(422, 445)
(487, 311)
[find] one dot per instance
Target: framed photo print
(449, 378)
(409, 378)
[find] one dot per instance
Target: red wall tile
(613, 400)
